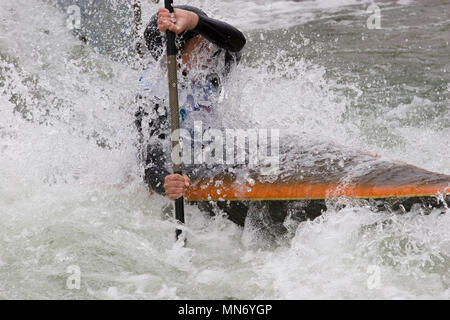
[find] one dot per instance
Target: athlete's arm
(220, 33)
(152, 154)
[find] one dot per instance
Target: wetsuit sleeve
(220, 33)
(155, 170)
(152, 153)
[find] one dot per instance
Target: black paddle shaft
(174, 113)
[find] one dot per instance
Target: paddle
(174, 115)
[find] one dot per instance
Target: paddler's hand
(185, 20)
(175, 185)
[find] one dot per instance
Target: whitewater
(71, 188)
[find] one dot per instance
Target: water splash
(71, 191)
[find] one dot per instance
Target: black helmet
(156, 41)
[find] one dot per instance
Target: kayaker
(207, 51)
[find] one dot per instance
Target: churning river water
(71, 190)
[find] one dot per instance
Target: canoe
(312, 179)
